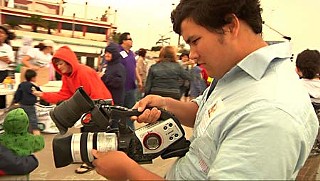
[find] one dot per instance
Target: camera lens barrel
(83, 143)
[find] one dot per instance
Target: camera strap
(212, 86)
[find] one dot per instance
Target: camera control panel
(157, 136)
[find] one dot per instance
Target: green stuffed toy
(16, 136)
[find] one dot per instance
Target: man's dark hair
(123, 37)
(30, 74)
(308, 62)
(214, 14)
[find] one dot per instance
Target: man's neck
(127, 49)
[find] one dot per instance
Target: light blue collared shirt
(258, 123)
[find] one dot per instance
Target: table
(4, 91)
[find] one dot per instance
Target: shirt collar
(256, 63)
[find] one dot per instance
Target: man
(129, 62)
(252, 125)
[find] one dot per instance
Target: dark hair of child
(30, 74)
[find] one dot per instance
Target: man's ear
(298, 71)
(232, 25)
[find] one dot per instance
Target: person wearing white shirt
(40, 56)
(23, 50)
(6, 58)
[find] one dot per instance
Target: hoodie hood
(16, 122)
(313, 87)
(66, 54)
(113, 48)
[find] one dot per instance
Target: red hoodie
(81, 75)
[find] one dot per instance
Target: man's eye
(195, 41)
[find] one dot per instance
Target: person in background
(75, 75)
(16, 136)
(114, 76)
(308, 69)
(142, 70)
(252, 123)
(27, 100)
(185, 84)
(197, 83)
(163, 77)
(23, 50)
(13, 164)
(204, 75)
(39, 56)
(6, 58)
(129, 62)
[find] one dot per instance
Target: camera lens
(77, 147)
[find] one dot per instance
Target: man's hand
(149, 115)
(116, 165)
(113, 165)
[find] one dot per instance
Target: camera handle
(119, 112)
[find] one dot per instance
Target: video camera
(165, 138)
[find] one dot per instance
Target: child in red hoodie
(74, 75)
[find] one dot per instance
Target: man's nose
(193, 55)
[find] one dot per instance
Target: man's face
(64, 67)
(128, 41)
(214, 51)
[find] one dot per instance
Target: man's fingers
(144, 116)
(149, 116)
(136, 105)
(95, 153)
(154, 114)
(133, 118)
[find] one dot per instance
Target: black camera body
(165, 138)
